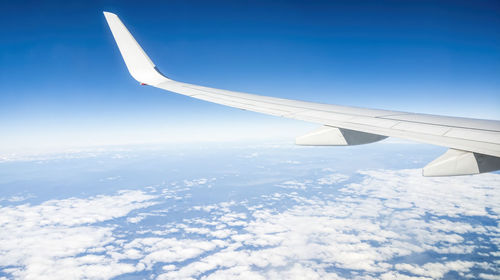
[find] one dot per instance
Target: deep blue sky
(63, 82)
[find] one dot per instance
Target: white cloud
(167, 250)
(370, 229)
(293, 185)
(252, 155)
(436, 270)
(196, 182)
(332, 179)
(17, 198)
(489, 276)
(51, 239)
(362, 230)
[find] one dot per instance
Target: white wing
(474, 144)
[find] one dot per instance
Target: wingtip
(138, 63)
(108, 13)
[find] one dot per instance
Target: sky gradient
(63, 82)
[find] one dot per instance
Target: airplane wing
(474, 144)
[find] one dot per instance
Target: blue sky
(63, 82)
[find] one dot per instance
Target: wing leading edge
(474, 144)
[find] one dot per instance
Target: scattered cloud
(332, 179)
(384, 225)
(60, 238)
(375, 229)
(17, 198)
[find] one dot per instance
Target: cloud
(373, 229)
(332, 179)
(196, 182)
(436, 270)
(252, 155)
(293, 185)
(17, 198)
(59, 239)
(384, 225)
(167, 250)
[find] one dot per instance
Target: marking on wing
(485, 125)
(475, 135)
(422, 128)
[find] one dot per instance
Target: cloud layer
(382, 224)
(61, 239)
